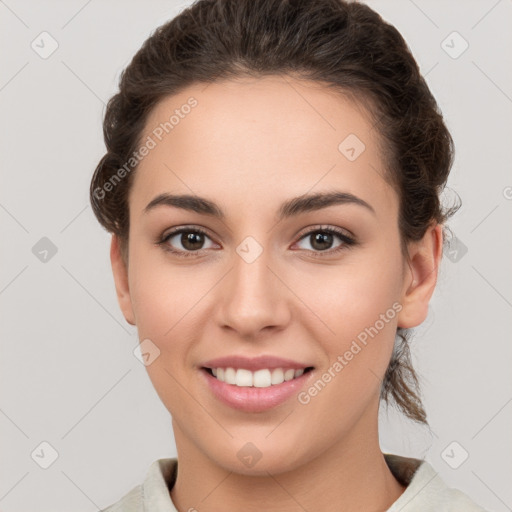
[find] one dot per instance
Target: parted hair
(344, 45)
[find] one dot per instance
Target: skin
(249, 145)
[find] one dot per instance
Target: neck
(351, 475)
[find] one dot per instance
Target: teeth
(230, 375)
(289, 374)
(258, 379)
(261, 379)
(243, 378)
(277, 376)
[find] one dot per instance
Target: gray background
(68, 374)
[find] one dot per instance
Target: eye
(191, 240)
(321, 240)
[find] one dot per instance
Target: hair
(343, 45)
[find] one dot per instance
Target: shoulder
(153, 493)
(426, 491)
(130, 502)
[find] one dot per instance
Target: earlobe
(120, 273)
(421, 277)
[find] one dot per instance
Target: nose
(254, 297)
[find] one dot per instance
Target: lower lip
(252, 399)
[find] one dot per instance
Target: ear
(120, 272)
(420, 277)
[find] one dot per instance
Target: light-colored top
(425, 490)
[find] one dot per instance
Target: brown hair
(343, 45)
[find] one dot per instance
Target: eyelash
(347, 240)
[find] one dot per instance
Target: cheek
(350, 298)
(160, 290)
(361, 309)
(156, 300)
(160, 295)
(166, 305)
(356, 310)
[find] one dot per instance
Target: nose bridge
(253, 297)
(251, 272)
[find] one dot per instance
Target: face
(262, 278)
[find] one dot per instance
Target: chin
(252, 461)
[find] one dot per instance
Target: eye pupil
(190, 239)
(322, 238)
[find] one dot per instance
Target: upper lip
(254, 363)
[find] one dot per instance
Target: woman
(272, 183)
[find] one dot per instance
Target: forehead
(260, 137)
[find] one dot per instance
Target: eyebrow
(290, 208)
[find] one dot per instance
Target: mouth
(263, 378)
(255, 384)
(255, 391)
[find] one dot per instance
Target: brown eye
(186, 241)
(192, 240)
(322, 240)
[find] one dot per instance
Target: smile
(262, 378)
